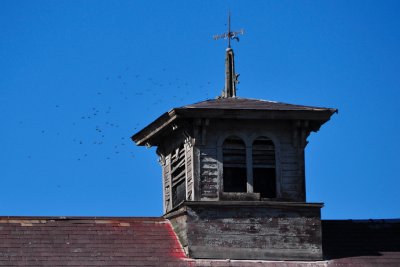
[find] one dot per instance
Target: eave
(143, 137)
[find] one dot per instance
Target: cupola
(233, 175)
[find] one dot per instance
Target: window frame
(239, 150)
(248, 141)
(264, 166)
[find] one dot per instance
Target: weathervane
(229, 35)
(231, 77)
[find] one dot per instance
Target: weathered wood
(165, 185)
(253, 253)
(168, 188)
(250, 230)
(260, 146)
(205, 168)
(208, 174)
(188, 172)
(239, 196)
(196, 173)
(250, 240)
(180, 228)
(290, 166)
(289, 159)
(271, 228)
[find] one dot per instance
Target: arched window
(178, 176)
(234, 163)
(264, 167)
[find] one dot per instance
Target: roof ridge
(250, 103)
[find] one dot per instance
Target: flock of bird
(103, 130)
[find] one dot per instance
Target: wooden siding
(288, 157)
(179, 225)
(237, 231)
(292, 173)
(208, 174)
(204, 158)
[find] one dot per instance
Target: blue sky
(78, 78)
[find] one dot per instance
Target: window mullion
(249, 167)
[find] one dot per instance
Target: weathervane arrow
(230, 35)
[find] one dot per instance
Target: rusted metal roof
(91, 241)
(35, 241)
(252, 104)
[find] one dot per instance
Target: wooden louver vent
(178, 176)
(234, 153)
(263, 153)
(264, 167)
(234, 162)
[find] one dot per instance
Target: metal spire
(230, 75)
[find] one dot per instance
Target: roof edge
(61, 218)
(141, 137)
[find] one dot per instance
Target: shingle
(91, 242)
(248, 103)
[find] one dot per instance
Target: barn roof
(93, 241)
(234, 108)
(48, 241)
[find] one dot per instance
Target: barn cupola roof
(231, 77)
